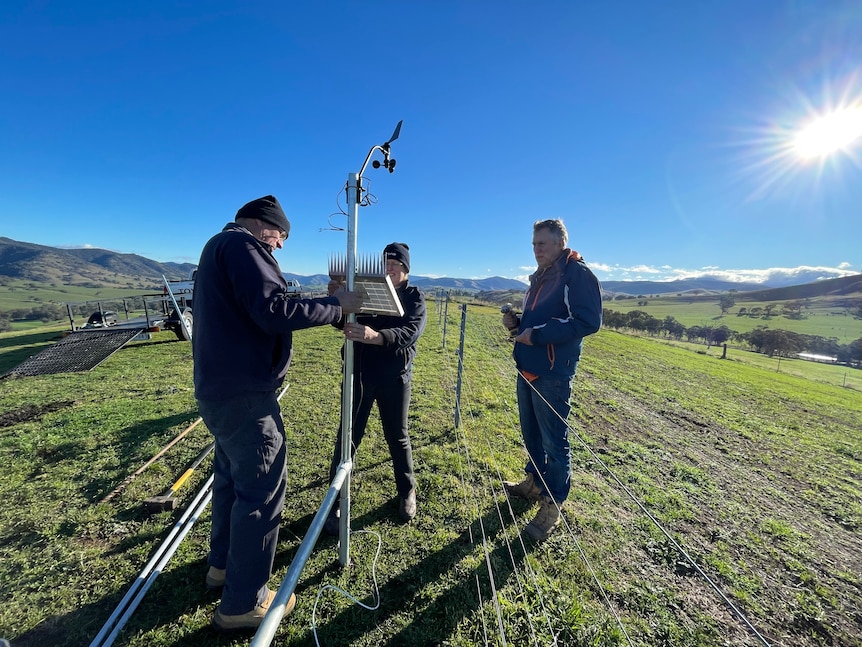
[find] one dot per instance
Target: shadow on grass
(183, 587)
(94, 487)
(177, 597)
(407, 592)
(32, 338)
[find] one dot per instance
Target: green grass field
(754, 472)
(823, 318)
(25, 294)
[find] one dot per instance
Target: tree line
(769, 341)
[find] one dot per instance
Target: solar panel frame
(372, 281)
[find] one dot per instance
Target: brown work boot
(253, 618)
(526, 489)
(407, 506)
(545, 521)
(215, 578)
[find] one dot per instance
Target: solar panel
(371, 280)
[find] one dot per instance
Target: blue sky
(660, 132)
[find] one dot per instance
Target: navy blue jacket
(562, 305)
(243, 318)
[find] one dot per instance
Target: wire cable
(340, 591)
(741, 616)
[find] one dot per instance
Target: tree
(721, 335)
(793, 309)
(726, 302)
(673, 328)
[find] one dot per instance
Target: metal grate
(81, 350)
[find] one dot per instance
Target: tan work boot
(407, 506)
(215, 578)
(253, 618)
(545, 521)
(526, 489)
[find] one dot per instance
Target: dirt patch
(31, 412)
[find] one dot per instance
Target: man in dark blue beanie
(242, 345)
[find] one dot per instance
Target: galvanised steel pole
(354, 195)
(266, 632)
(460, 366)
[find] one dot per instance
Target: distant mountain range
(429, 283)
(102, 268)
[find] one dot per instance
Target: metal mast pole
(354, 196)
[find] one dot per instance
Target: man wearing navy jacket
(242, 345)
(562, 306)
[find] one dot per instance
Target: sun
(829, 133)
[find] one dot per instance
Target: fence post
(445, 319)
(460, 367)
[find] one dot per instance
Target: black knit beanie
(267, 209)
(398, 252)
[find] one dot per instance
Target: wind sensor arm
(388, 163)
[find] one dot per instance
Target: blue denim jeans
(248, 494)
(546, 434)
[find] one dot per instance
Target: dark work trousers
(248, 494)
(393, 400)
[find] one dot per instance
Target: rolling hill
(98, 268)
(83, 267)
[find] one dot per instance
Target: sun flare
(829, 133)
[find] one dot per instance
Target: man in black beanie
(242, 345)
(383, 353)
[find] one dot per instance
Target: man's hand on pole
(349, 301)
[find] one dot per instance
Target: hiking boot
(545, 521)
(526, 489)
(407, 506)
(215, 578)
(333, 521)
(253, 618)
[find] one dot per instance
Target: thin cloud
(806, 273)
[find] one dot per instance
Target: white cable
(345, 593)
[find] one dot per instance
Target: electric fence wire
(486, 333)
(520, 579)
(340, 591)
(734, 609)
(741, 616)
(485, 540)
(489, 338)
(515, 569)
(451, 389)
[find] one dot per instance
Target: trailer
(166, 311)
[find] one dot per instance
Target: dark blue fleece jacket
(243, 317)
(563, 305)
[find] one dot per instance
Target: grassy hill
(88, 268)
(753, 473)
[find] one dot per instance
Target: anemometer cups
(387, 163)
